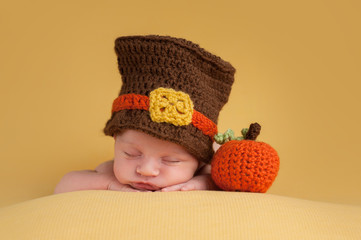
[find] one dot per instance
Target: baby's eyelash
(171, 161)
(131, 155)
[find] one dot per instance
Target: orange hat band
(141, 102)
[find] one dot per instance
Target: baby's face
(148, 163)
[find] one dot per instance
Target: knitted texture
(245, 165)
(152, 62)
(167, 105)
(130, 101)
(135, 101)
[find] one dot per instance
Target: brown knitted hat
(172, 89)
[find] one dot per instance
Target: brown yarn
(149, 62)
(253, 131)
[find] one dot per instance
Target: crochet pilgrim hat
(171, 89)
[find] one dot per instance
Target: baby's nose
(148, 168)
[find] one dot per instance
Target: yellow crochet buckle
(170, 106)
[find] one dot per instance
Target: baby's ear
(215, 146)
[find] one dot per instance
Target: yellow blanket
(178, 215)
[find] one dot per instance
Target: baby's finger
(128, 188)
(173, 188)
(121, 187)
(188, 187)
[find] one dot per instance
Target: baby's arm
(85, 180)
(201, 181)
(102, 178)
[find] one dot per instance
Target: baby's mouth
(144, 186)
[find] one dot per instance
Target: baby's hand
(200, 182)
(116, 186)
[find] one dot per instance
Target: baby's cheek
(122, 171)
(180, 175)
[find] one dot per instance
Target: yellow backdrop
(298, 75)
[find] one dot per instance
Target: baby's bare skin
(103, 178)
(142, 163)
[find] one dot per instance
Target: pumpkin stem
(253, 131)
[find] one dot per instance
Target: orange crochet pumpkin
(244, 165)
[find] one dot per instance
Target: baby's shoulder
(105, 167)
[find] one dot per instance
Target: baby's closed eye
(171, 161)
(132, 153)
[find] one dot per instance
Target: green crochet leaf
(225, 137)
(244, 132)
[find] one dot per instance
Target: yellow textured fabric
(178, 215)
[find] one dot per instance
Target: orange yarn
(136, 101)
(204, 124)
(245, 165)
(130, 101)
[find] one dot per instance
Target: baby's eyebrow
(180, 152)
(130, 143)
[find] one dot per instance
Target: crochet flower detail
(170, 106)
